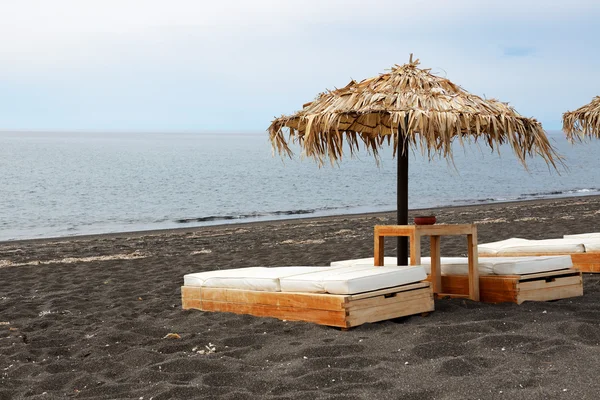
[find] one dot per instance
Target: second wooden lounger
(506, 279)
(584, 250)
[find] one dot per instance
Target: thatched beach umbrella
(583, 122)
(409, 108)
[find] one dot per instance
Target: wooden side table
(415, 232)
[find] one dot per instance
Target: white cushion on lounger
(591, 244)
(527, 265)
(457, 266)
(252, 278)
(391, 261)
(592, 235)
(503, 265)
(516, 246)
(353, 279)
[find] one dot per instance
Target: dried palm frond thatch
(407, 103)
(585, 121)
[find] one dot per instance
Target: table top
(459, 229)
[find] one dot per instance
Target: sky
(234, 65)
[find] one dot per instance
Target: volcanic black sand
(89, 318)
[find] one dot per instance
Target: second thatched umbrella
(583, 122)
(407, 107)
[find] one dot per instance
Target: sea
(57, 184)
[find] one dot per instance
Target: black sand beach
(89, 317)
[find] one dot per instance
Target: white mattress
(526, 265)
(252, 278)
(503, 265)
(591, 244)
(353, 279)
(489, 265)
(591, 235)
(334, 280)
(457, 266)
(524, 246)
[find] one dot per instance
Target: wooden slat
(446, 230)
(187, 304)
(301, 300)
(586, 262)
(394, 230)
(567, 271)
(415, 249)
(436, 267)
(389, 299)
(555, 293)
(408, 230)
(382, 313)
(472, 257)
(394, 289)
(323, 317)
(452, 296)
(379, 250)
(191, 292)
(556, 281)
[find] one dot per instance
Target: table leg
(473, 267)
(379, 242)
(415, 249)
(436, 271)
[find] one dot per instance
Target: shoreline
(279, 221)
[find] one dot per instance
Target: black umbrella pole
(402, 194)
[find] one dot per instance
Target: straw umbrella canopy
(408, 108)
(583, 122)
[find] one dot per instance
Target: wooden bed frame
(344, 311)
(544, 286)
(584, 262)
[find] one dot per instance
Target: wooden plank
(408, 230)
(452, 295)
(555, 281)
(379, 249)
(492, 289)
(394, 230)
(567, 271)
(473, 265)
(187, 304)
(415, 249)
(436, 268)
(586, 262)
(394, 289)
(588, 268)
(375, 314)
(445, 230)
(323, 317)
(318, 301)
(552, 293)
(389, 299)
(191, 292)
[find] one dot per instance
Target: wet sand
(88, 317)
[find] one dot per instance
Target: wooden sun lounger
(544, 286)
(511, 287)
(344, 311)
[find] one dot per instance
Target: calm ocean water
(61, 184)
